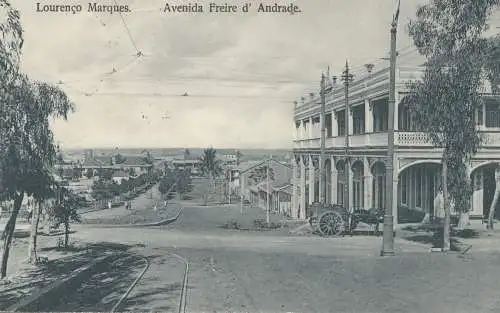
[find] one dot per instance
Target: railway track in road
(109, 287)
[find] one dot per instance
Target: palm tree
(210, 166)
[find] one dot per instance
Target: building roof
(105, 161)
(282, 172)
(119, 174)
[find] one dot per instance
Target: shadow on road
(35, 277)
(424, 234)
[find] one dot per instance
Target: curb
(160, 223)
(54, 290)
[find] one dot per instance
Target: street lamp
(388, 239)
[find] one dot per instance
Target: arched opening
(483, 183)
(378, 186)
(341, 182)
(419, 189)
(328, 187)
(357, 185)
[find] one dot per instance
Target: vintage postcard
(249, 156)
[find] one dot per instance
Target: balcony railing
(411, 139)
(369, 139)
(401, 139)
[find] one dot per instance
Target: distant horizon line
(173, 148)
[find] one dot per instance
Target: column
(335, 130)
(368, 117)
(368, 184)
(396, 112)
(302, 204)
(311, 130)
(484, 114)
(395, 184)
(312, 173)
(295, 185)
(334, 178)
(350, 122)
(350, 184)
(302, 130)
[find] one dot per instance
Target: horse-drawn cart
(335, 220)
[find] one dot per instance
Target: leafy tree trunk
(8, 233)
(491, 214)
(35, 220)
(463, 215)
(446, 223)
(66, 232)
(463, 220)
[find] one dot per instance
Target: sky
(241, 72)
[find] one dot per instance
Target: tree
(89, 173)
(12, 42)
(167, 183)
(27, 151)
(187, 154)
(120, 159)
(239, 155)
(65, 211)
(449, 35)
(210, 167)
(183, 184)
(35, 220)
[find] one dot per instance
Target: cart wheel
(331, 224)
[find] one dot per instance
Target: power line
(128, 30)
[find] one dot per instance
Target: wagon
(329, 219)
(335, 220)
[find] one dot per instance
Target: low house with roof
(119, 176)
(134, 165)
(266, 177)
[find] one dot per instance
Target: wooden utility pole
(347, 77)
(322, 184)
(267, 193)
(388, 239)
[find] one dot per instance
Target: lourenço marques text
(92, 7)
(213, 7)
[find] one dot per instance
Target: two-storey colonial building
(417, 163)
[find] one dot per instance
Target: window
(357, 188)
(404, 198)
(492, 115)
(358, 120)
(380, 115)
(328, 124)
(418, 184)
(341, 179)
(341, 122)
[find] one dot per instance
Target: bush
(232, 224)
(407, 215)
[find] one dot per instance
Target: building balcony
(402, 139)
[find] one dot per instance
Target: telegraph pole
(322, 185)
(347, 77)
(388, 239)
(267, 202)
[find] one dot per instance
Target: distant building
(257, 179)
(128, 163)
(119, 176)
